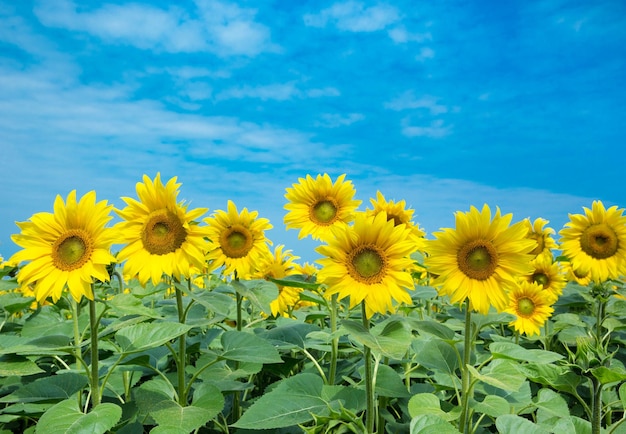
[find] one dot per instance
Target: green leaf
(550, 404)
(493, 406)
(436, 354)
(389, 383)
(292, 334)
(246, 347)
(297, 281)
(60, 386)
(18, 365)
(259, 292)
(141, 337)
(171, 417)
(427, 403)
(128, 304)
(434, 328)
(66, 418)
(509, 350)
(293, 401)
(513, 424)
(391, 338)
(431, 424)
(608, 375)
(218, 303)
(502, 375)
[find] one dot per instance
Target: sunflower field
(175, 321)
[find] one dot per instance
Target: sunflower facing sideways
(531, 305)
(238, 240)
(398, 212)
(68, 248)
(480, 259)
(538, 231)
(317, 205)
(595, 242)
(368, 262)
(161, 235)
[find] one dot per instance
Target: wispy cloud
(401, 35)
(354, 16)
(436, 129)
(223, 28)
(334, 120)
(408, 100)
(276, 91)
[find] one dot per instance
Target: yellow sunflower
(238, 240)
(531, 305)
(548, 274)
(398, 212)
(161, 235)
(278, 266)
(317, 205)
(480, 259)
(571, 275)
(368, 262)
(68, 248)
(595, 243)
(542, 235)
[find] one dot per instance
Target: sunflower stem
(335, 340)
(236, 397)
(182, 349)
(95, 370)
(369, 380)
(464, 421)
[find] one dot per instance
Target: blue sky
(444, 104)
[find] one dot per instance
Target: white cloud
(401, 35)
(425, 53)
(222, 28)
(354, 16)
(334, 120)
(436, 129)
(408, 101)
(276, 91)
(322, 92)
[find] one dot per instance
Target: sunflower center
(599, 241)
(324, 212)
(163, 233)
(397, 221)
(368, 264)
(477, 259)
(236, 241)
(525, 307)
(72, 250)
(541, 278)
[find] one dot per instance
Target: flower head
(368, 261)
(161, 235)
(542, 235)
(548, 274)
(277, 266)
(531, 305)
(480, 259)
(398, 212)
(68, 248)
(595, 242)
(317, 205)
(238, 240)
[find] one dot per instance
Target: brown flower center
(599, 241)
(542, 279)
(324, 212)
(368, 264)
(478, 259)
(72, 250)
(163, 233)
(236, 241)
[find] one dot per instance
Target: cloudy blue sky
(444, 104)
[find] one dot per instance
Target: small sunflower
(238, 240)
(398, 212)
(277, 266)
(317, 205)
(368, 261)
(161, 235)
(532, 306)
(542, 235)
(571, 275)
(480, 259)
(595, 243)
(68, 248)
(548, 274)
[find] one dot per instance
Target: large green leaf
(493, 406)
(503, 375)
(436, 354)
(427, 403)
(509, 350)
(259, 292)
(513, 424)
(389, 383)
(291, 334)
(67, 418)
(128, 304)
(246, 347)
(293, 401)
(18, 365)
(59, 387)
(431, 424)
(391, 338)
(141, 337)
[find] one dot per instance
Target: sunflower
(277, 266)
(548, 274)
(595, 243)
(368, 262)
(161, 235)
(532, 306)
(571, 275)
(542, 235)
(68, 248)
(398, 212)
(317, 205)
(480, 259)
(238, 240)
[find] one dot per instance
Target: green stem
(369, 380)
(335, 340)
(464, 421)
(182, 350)
(95, 371)
(596, 402)
(236, 397)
